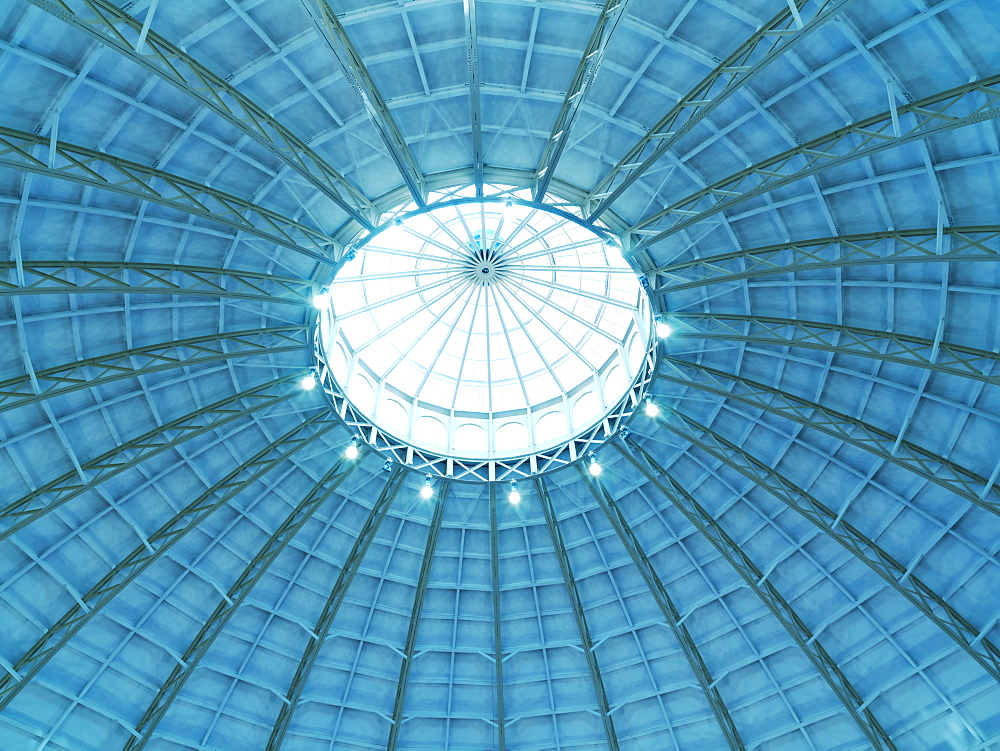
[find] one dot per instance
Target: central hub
(478, 329)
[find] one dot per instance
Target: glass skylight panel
(477, 329)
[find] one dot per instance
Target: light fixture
(514, 497)
(309, 382)
(652, 410)
(663, 330)
(352, 451)
(387, 467)
(595, 468)
(427, 490)
(321, 301)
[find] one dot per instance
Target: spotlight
(308, 383)
(514, 497)
(321, 301)
(663, 330)
(652, 410)
(427, 490)
(595, 468)
(387, 467)
(352, 451)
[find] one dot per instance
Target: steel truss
(881, 443)
(140, 361)
(769, 595)
(586, 72)
(581, 619)
(233, 599)
(974, 243)
(497, 630)
(938, 356)
(475, 106)
(112, 277)
(963, 105)
(150, 549)
(671, 615)
(339, 590)
(114, 28)
(867, 551)
(764, 46)
(32, 506)
(410, 648)
(104, 171)
(335, 35)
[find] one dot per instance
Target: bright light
(321, 301)
(309, 382)
(663, 330)
(426, 491)
(514, 496)
(595, 468)
(652, 410)
(352, 451)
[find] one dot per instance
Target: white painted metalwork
(485, 329)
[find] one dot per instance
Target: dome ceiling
(798, 552)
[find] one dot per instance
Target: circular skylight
(485, 328)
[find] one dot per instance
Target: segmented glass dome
(786, 536)
(486, 328)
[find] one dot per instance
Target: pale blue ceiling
(800, 554)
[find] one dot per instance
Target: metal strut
(767, 44)
(140, 361)
(772, 599)
(497, 630)
(973, 243)
(333, 33)
(32, 506)
(576, 94)
(110, 25)
(410, 648)
(671, 615)
(104, 171)
(881, 443)
(333, 602)
(60, 276)
(233, 599)
(867, 551)
(152, 548)
(964, 105)
(941, 357)
(581, 619)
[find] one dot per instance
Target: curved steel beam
(769, 595)
(963, 105)
(140, 361)
(475, 100)
(32, 506)
(152, 548)
(973, 243)
(863, 548)
(55, 276)
(410, 647)
(881, 443)
(576, 94)
(104, 171)
(233, 599)
(581, 619)
(939, 356)
(671, 615)
(768, 43)
(333, 33)
(337, 593)
(108, 24)
(497, 630)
